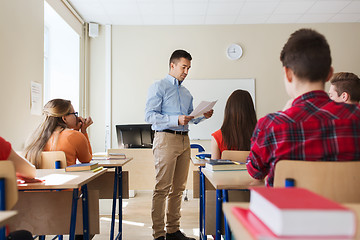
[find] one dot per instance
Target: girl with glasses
(60, 130)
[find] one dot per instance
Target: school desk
(55, 180)
(118, 190)
(223, 181)
(241, 233)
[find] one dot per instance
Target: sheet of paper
(203, 107)
(36, 98)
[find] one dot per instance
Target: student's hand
(184, 120)
(209, 113)
(85, 123)
(22, 180)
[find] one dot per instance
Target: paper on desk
(202, 108)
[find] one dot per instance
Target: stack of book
(116, 156)
(82, 167)
(224, 164)
(295, 213)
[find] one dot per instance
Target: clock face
(234, 51)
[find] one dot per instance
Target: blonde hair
(53, 112)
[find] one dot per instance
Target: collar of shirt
(310, 95)
(173, 80)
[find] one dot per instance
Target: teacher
(167, 108)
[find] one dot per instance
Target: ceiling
(209, 12)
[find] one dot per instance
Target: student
(61, 130)
(345, 87)
(238, 125)
(23, 167)
(314, 128)
(168, 107)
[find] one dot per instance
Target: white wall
(141, 54)
(21, 61)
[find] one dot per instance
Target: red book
(300, 212)
(260, 231)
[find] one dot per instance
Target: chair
(198, 146)
(48, 161)
(49, 158)
(9, 197)
(239, 156)
(335, 180)
(7, 172)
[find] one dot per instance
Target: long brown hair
(239, 121)
(53, 112)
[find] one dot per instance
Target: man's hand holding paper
(209, 114)
(204, 108)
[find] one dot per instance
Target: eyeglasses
(75, 113)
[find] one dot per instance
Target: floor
(137, 220)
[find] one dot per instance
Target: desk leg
(2, 206)
(227, 228)
(119, 170)
(114, 205)
(85, 209)
(73, 214)
(218, 213)
(202, 204)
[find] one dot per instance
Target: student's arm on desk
(256, 182)
(22, 166)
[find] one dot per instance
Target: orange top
(75, 144)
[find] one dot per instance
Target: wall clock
(234, 51)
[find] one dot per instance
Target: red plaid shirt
(314, 128)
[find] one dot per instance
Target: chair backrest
(239, 156)
(49, 158)
(335, 180)
(7, 172)
(198, 146)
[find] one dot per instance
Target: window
(61, 59)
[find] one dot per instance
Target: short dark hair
(347, 82)
(177, 54)
(307, 54)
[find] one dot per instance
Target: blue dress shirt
(167, 100)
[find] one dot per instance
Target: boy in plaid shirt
(313, 128)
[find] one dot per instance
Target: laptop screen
(134, 136)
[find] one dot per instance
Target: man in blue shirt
(167, 108)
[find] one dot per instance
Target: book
(299, 212)
(259, 231)
(224, 164)
(81, 167)
(116, 156)
(99, 156)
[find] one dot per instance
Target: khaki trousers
(172, 159)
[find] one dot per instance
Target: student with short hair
(61, 130)
(238, 125)
(345, 87)
(314, 128)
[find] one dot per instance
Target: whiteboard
(210, 90)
